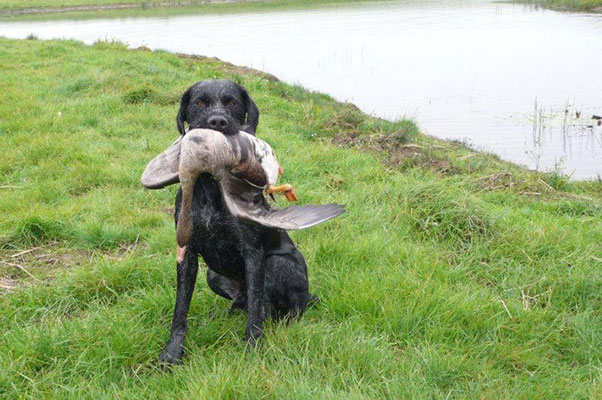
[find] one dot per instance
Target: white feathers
(265, 154)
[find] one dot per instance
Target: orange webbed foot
(287, 189)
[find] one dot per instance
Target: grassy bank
(86, 8)
(452, 275)
(568, 5)
(50, 5)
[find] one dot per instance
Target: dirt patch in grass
(7, 284)
(351, 128)
(25, 266)
(398, 153)
(497, 181)
(36, 265)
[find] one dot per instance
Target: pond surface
(503, 78)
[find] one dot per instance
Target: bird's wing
(163, 169)
(246, 201)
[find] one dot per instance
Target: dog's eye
(200, 104)
(230, 103)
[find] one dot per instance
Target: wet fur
(258, 268)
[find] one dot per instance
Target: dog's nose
(217, 122)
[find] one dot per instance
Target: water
(503, 78)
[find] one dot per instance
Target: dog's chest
(216, 233)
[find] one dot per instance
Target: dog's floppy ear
(181, 118)
(252, 111)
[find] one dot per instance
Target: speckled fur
(258, 268)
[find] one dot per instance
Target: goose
(245, 168)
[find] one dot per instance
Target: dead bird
(245, 168)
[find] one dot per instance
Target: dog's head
(220, 105)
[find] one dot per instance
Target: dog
(259, 269)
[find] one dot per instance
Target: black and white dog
(258, 268)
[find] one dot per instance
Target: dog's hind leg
(228, 288)
(187, 271)
(287, 286)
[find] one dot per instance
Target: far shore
(594, 6)
(15, 8)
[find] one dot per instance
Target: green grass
(108, 8)
(30, 4)
(568, 5)
(452, 275)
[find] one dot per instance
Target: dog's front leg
(187, 271)
(254, 274)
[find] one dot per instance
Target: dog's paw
(252, 335)
(251, 345)
(172, 354)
